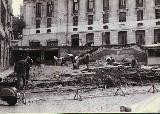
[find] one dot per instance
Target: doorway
(75, 40)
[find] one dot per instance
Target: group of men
(76, 60)
(21, 70)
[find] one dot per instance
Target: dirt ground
(52, 89)
(99, 75)
(97, 100)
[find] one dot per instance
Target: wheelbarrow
(10, 94)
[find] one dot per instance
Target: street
(65, 56)
(93, 101)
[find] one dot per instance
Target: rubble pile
(120, 54)
(99, 77)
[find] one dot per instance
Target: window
(139, 24)
(122, 37)
(90, 19)
(153, 52)
(105, 18)
(122, 17)
(140, 35)
(38, 23)
(139, 3)
(90, 5)
(89, 39)
(75, 29)
(122, 4)
(51, 43)
(50, 8)
(106, 38)
(75, 6)
(157, 11)
(75, 40)
(49, 22)
(157, 36)
(48, 30)
(105, 27)
(37, 31)
(105, 5)
(90, 28)
(34, 43)
(140, 15)
(38, 9)
(75, 21)
(157, 2)
(158, 23)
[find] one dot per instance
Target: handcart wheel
(11, 100)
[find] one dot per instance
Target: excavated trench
(101, 77)
(97, 77)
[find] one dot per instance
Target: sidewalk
(6, 72)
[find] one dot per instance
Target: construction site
(84, 56)
(101, 80)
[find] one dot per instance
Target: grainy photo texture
(70, 56)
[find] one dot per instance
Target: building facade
(92, 22)
(99, 22)
(5, 32)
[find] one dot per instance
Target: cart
(10, 94)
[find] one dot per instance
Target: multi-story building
(91, 22)
(5, 32)
(77, 22)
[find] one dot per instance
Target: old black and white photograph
(79, 56)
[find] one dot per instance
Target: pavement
(96, 101)
(6, 72)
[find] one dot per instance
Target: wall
(59, 24)
(5, 35)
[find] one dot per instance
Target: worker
(55, 60)
(108, 60)
(29, 62)
(112, 60)
(133, 63)
(20, 70)
(86, 60)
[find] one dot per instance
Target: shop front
(153, 52)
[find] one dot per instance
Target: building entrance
(75, 40)
(49, 56)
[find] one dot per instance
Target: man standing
(20, 69)
(55, 60)
(133, 63)
(29, 64)
(86, 60)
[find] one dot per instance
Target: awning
(153, 46)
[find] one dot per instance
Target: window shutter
(73, 6)
(93, 5)
(103, 39)
(42, 9)
(87, 5)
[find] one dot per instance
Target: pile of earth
(100, 77)
(49, 76)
